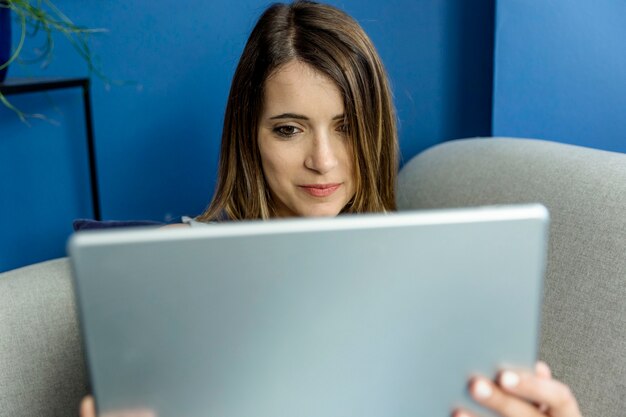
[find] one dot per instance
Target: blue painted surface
(157, 142)
(560, 71)
(5, 40)
(44, 180)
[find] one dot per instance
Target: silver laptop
(366, 315)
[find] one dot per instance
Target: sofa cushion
(89, 224)
(41, 360)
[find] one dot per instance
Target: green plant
(35, 16)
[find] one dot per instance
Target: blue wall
(157, 142)
(560, 71)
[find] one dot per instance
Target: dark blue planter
(5, 39)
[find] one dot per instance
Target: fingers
(555, 395)
(523, 394)
(87, 407)
(462, 413)
(542, 370)
(491, 396)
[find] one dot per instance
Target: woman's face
(304, 145)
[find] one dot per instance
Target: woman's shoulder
(174, 225)
(192, 222)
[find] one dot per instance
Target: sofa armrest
(41, 360)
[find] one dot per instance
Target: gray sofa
(583, 333)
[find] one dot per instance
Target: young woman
(310, 130)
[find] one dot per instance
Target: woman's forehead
(296, 86)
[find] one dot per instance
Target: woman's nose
(322, 157)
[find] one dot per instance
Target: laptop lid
(366, 315)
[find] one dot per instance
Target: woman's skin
(88, 409)
(303, 143)
(522, 393)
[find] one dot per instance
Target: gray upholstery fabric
(41, 360)
(583, 333)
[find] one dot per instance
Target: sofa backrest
(583, 333)
(41, 360)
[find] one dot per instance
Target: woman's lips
(320, 190)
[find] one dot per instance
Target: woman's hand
(513, 394)
(523, 394)
(88, 409)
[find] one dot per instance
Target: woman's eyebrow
(300, 116)
(289, 116)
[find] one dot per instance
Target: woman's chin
(323, 212)
(312, 209)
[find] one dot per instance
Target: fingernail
(542, 369)
(482, 389)
(509, 379)
(459, 413)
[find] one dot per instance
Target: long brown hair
(333, 43)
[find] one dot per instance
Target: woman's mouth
(320, 190)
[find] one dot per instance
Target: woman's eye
(286, 131)
(343, 128)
